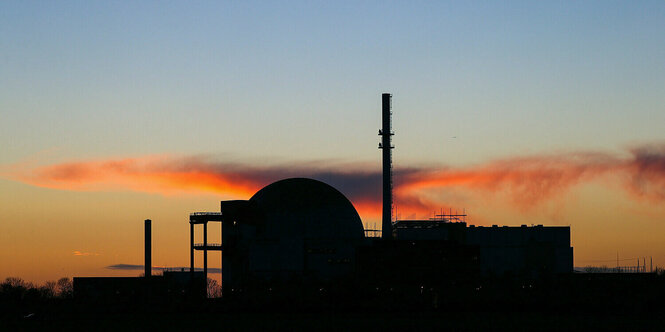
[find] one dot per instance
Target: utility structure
(386, 134)
(202, 218)
(148, 248)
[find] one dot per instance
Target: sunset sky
(534, 112)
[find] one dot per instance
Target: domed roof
(305, 208)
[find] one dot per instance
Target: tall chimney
(386, 145)
(148, 249)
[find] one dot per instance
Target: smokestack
(386, 145)
(148, 249)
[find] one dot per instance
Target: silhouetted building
(523, 250)
(171, 286)
(294, 230)
(304, 232)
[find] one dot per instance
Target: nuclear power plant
(300, 239)
(300, 232)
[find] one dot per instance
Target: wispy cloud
(80, 253)
(528, 180)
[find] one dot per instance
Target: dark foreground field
(448, 321)
(603, 302)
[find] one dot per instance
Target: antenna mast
(386, 145)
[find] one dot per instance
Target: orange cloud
(530, 180)
(527, 180)
(153, 174)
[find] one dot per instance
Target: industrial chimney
(386, 145)
(148, 249)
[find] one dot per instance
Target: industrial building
(304, 232)
(301, 236)
(174, 286)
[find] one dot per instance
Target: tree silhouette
(214, 289)
(64, 288)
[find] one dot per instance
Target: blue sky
(91, 79)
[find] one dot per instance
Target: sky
(517, 113)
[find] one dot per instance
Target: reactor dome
(307, 209)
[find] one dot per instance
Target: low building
(172, 286)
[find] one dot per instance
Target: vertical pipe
(148, 249)
(205, 251)
(191, 246)
(386, 145)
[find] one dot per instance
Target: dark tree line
(19, 298)
(17, 289)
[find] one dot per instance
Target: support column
(205, 251)
(221, 253)
(191, 247)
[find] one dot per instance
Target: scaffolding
(202, 218)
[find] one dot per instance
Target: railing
(203, 217)
(214, 245)
(205, 214)
(616, 269)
